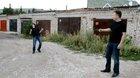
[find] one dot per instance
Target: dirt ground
(55, 61)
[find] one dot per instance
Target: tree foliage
(11, 11)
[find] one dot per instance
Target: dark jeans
(35, 39)
(112, 50)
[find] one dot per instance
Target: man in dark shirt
(36, 31)
(117, 35)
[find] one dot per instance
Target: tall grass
(130, 51)
(56, 38)
(25, 30)
(94, 44)
(89, 44)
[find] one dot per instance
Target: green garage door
(13, 25)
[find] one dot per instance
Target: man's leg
(40, 43)
(116, 54)
(108, 58)
(34, 44)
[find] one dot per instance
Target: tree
(8, 11)
(29, 11)
(16, 12)
(21, 11)
(33, 10)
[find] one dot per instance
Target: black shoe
(115, 74)
(39, 51)
(33, 53)
(105, 71)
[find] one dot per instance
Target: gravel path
(55, 61)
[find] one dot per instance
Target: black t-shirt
(35, 31)
(116, 31)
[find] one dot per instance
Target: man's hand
(100, 30)
(120, 46)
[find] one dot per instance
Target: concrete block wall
(137, 29)
(133, 21)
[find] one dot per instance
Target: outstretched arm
(105, 30)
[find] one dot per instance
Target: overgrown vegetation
(25, 30)
(88, 44)
(130, 51)
(94, 44)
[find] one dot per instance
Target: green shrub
(74, 41)
(128, 40)
(94, 44)
(90, 43)
(130, 51)
(56, 38)
(26, 29)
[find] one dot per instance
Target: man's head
(37, 22)
(33, 25)
(117, 15)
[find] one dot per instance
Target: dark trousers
(112, 50)
(35, 39)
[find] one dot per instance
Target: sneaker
(105, 71)
(39, 51)
(115, 74)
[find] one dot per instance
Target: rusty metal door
(46, 25)
(69, 25)
(3, 25)
(102, 24)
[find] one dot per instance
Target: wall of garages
(131, 15)
(86, 22)
(11, 23)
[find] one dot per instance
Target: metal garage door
(46, 25)
(103, 23)
(3, 25)
(69, 25)
(13, 25)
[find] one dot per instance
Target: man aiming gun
(116, 42)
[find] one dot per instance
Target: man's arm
(30, 31)
(41, 30)
(120, 46)
(105, 30)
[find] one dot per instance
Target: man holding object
(36, 33)
(116, 42)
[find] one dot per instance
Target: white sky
(45, 4)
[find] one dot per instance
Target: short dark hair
(119, 13)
